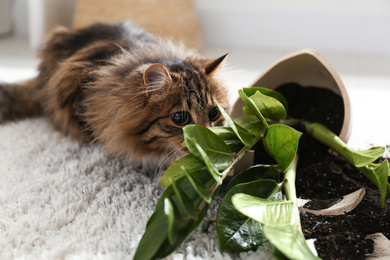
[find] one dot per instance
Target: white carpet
(60, 200)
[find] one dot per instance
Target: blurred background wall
(34, 18)
(348, 25)
(327, 25)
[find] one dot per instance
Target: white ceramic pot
(307, 68)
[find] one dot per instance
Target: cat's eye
(181, 118)
(214, 114)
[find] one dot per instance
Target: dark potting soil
(324, 177)
(343, 236)
(315, 104)
(309, 103)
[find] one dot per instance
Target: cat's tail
(19, 100)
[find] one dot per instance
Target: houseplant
(194, 180)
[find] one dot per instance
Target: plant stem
(322, 134)
(290, 122)
(327, 137)
(241, 154)
(289, 187)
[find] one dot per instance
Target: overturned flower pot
(295, 76)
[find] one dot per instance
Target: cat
(122, 87)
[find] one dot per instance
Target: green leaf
(265, 211)
(175, 172)
(187, 225)
(223, 132)
(237, 232)
(365, 157)
(200, 189)
(217, 151)
(251, 124)
(378, 175)
(153, 238)
(279, 256)
(212, 170)
(269, 106)
(327, 137)
(281, 142)
(388, 174)
(184, 230)
(185, 202)
(271, 93)
(289, 240)
(172, 222)
(156, 229)
(202, 176)
(245, 137)
(229, 137)
(279, 224)
(255, 172)
(248, 111)
(252, 106)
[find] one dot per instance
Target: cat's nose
(208, 124)
(205, 123)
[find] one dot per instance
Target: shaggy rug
(63, 200)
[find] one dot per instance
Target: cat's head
(146, 108)
(176, 95)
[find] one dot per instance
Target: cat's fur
(120, 86)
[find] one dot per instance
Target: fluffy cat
(122, 87)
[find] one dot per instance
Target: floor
(366, 77)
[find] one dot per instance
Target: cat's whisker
(176, 151)
(196, 93)
(175, 156)
(183, 106)
(168, 156)
(196, 102)
(193, 91)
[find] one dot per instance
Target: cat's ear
(211, 66)
(156, 75)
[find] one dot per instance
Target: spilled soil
(343, 236)
(323, 175)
